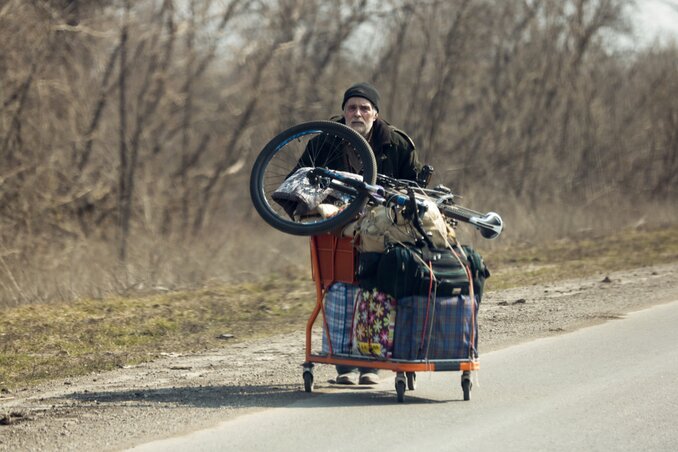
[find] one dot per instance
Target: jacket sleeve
(409, 165)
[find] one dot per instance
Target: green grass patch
(49, 341)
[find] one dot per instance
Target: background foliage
(127, 129)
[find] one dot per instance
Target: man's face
(359, 114)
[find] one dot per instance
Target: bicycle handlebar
(489, 224)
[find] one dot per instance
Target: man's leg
(347, 375)
(368, 376)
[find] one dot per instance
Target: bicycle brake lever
(445, 198)
(442, 188)
(386, 181)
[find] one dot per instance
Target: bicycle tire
(321, 144)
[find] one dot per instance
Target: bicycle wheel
(324, 144)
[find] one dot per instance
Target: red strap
(428, 305)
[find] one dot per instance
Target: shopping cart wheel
(411, 381)
(308, 381)
(400, 386)
(400, 391)
(466, 384)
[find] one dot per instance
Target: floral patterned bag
(374, 324)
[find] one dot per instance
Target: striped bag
(444, 328)
(339, 303)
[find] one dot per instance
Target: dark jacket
(394, 152)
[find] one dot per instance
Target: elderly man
(394, 150)
(396, 157)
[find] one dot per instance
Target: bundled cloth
(381, 226)
(299, 197)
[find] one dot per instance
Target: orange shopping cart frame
(334, 259)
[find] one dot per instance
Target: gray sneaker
(350, 378)
(369, 378)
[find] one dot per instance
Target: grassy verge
(40, 342)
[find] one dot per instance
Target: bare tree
(127, 128)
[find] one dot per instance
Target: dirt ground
(182, 393)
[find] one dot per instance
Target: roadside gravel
(181, 393)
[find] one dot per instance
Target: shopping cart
(334, 259)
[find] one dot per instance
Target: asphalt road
(609, 387)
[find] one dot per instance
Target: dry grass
(572, 258)
(61, 340)
(47, 341)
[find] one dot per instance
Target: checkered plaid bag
(339, 304)
(444, 328)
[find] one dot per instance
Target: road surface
(608, 387)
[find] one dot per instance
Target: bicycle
(318, 147)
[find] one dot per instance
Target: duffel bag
(440, 328)
(405, 271)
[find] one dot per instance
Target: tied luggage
(405, 271)
(339, 302)
(479, 271)
(374, 325)
(439, 328)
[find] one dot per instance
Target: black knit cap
(364, 90)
